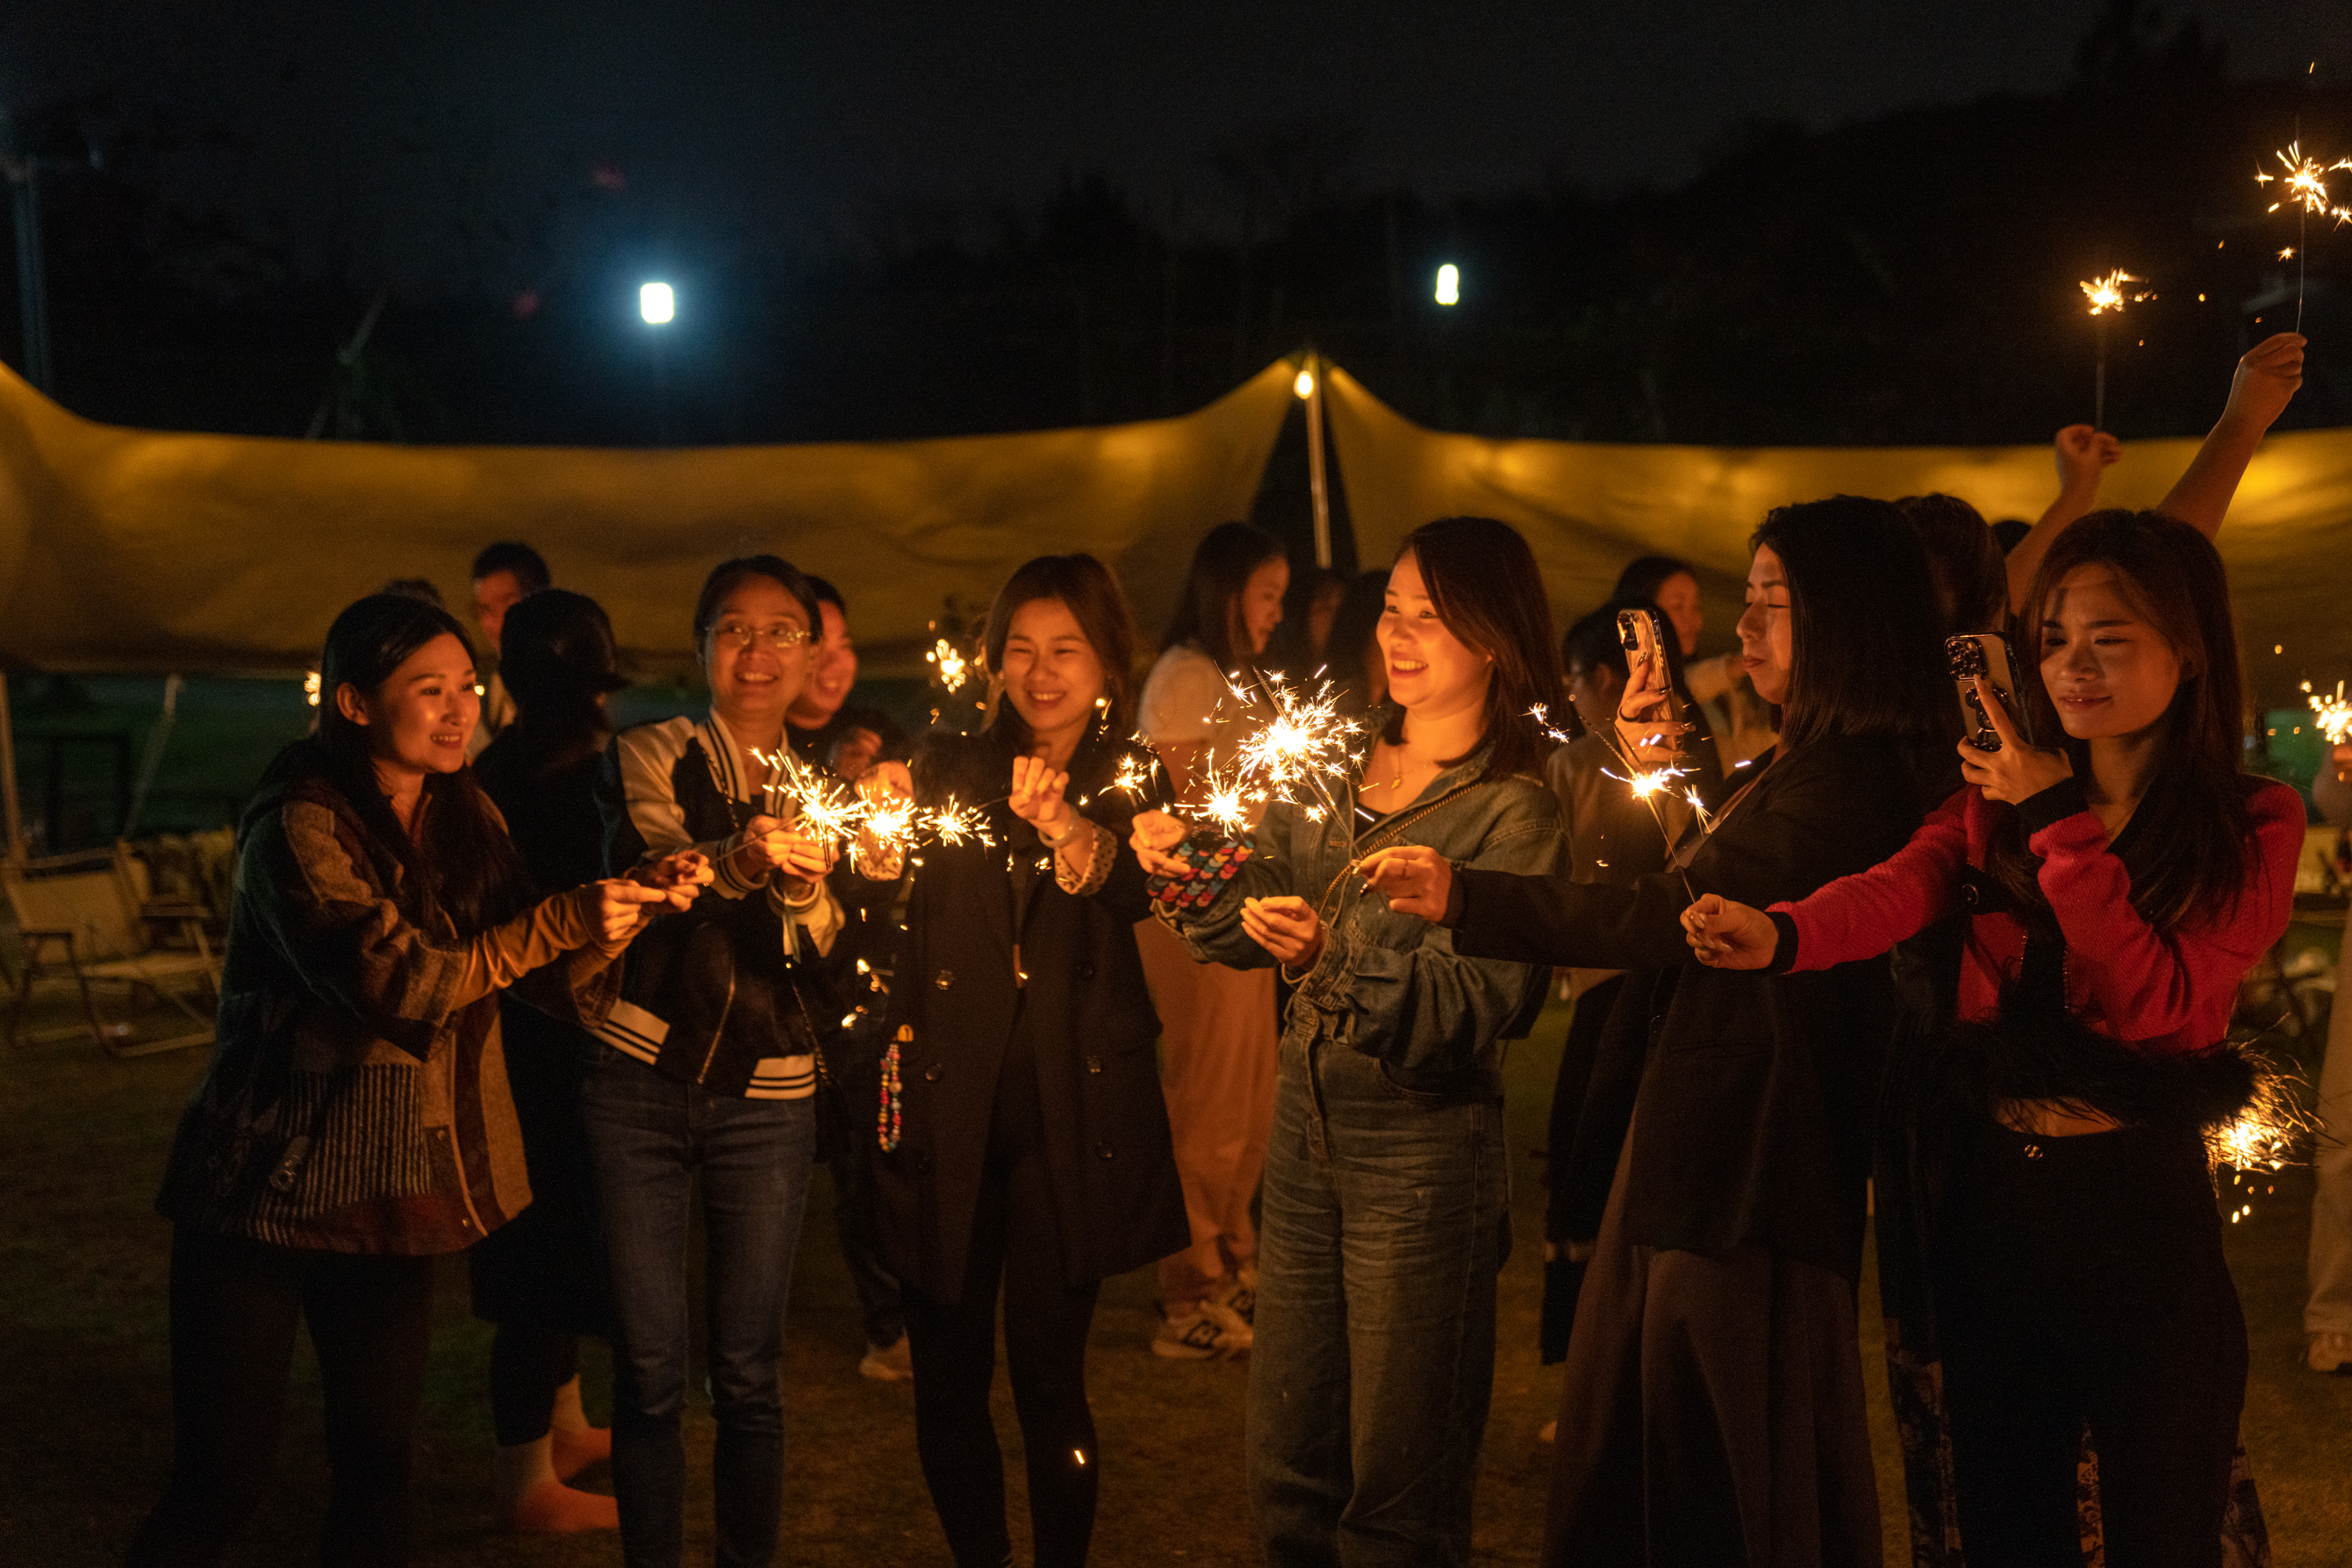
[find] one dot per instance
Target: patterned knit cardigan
(357, 1097)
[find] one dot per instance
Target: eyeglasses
(781, 639)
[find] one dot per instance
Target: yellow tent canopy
(126, 549)
(1589, 508)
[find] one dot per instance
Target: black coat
(1755, 1115)
(1083, 1015)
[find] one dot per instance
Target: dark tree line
(1910, 279)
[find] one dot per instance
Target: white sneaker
(2330, 1353)
(1211, 1332)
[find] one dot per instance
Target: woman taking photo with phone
(1387, 1180)
(1712, 1407)
(2119, 881)
(354, 1123)
(701, 1091)
(1028, 1149)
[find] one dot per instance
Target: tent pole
(16, 823)
(1315, 460)
(157, 740)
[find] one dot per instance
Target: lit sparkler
(1301, 743)
(2108, 295)
(2334, 714)
(2304, 183)
(2266, 1136)
(955, 824)
(1541, 714)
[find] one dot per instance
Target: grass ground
(84, 1433)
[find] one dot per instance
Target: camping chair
(89, 915)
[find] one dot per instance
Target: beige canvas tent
(136, 550)
(126, 549)
(1588, 509)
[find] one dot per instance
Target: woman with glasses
(705, 1071)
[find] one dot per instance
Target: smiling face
(1678, 597)
(1429, 669)
(1052, 673)
(419, 720)
(1259, 608)
(833, 670)
(1768, 644)
(752, 685)
(2108, 672)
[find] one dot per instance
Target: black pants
(527, 1365)
(2089, 1290)
(846, 1102)
(1015, 1240)
(235, 1307)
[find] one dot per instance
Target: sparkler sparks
(1303, 744)
(2334, 714)
(2109, 293)
(1541, 714)
(2267, 1135)
(2304, 184)
(950, 662)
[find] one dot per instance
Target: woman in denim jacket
(1387, 1191)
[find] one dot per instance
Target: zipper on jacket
(719, 1031)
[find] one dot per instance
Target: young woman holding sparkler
(1216, 1041)
(1386, 1183)
(1028, 1148)
(708, 1068)
(2118, 887)
(355, 1122)
(1712, 1408)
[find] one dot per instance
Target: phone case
(1209, 862)
(1640, 635)
(1985, 653)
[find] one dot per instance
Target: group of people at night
(502, 982)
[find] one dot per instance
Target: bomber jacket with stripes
(730, 994)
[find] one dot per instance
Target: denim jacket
(1392, 984)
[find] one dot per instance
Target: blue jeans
(647, 1137)
(1374, 1363)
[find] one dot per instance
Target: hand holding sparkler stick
(1154, 836)
(678, 877)
(1036, 799)
(1729, 936)
(1414, 878)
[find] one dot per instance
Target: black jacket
(1084, 1019)
(731, 993)
(1754, 1118)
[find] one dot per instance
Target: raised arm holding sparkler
(2264, 382)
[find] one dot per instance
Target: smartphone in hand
(1639, 635)
(1985, 653)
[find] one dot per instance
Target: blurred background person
(541, 1278)
(505, 574)
(832, 671)
(1217, 1024)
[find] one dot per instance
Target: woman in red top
(2120, 884)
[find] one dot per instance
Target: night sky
(445, 145)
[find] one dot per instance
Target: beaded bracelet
(1208, 865)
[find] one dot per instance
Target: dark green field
(84, 1404)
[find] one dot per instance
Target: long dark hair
(1483, 582)
(1645, 574)
(1964, 562)
(2187, 848)
(1209, 611)
(463, 873)
(1095, 600)
(1868, 657)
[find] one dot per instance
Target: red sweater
(2162, 991)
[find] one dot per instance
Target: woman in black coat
(1029, 1144)
(1713, 1408)
(542, 1276)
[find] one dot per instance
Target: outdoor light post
(657, 307)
